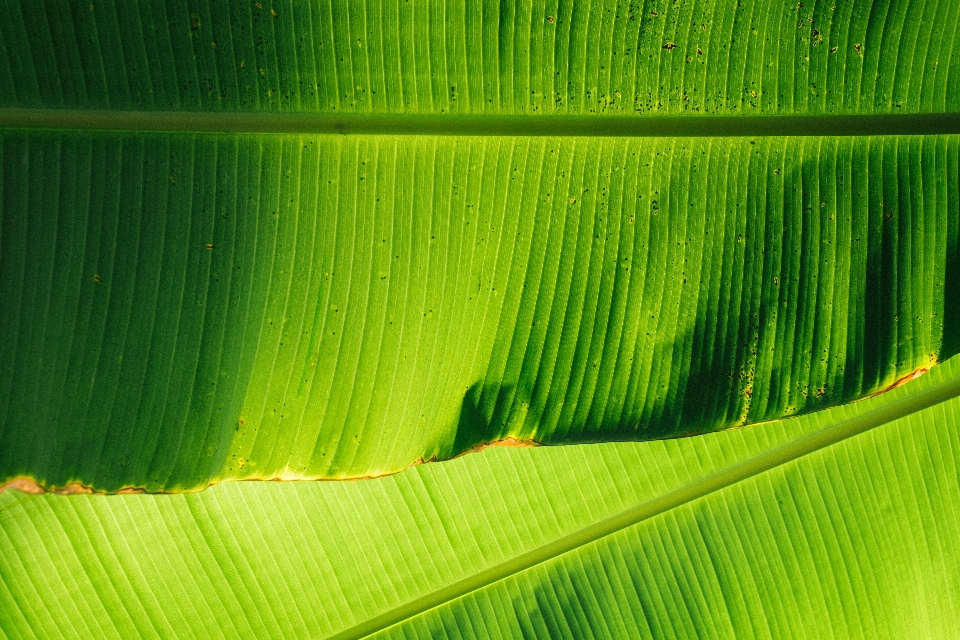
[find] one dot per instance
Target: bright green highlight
(856, 537)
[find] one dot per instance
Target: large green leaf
(192, 308)
(183, 308)
(219, 302)
(842, 523)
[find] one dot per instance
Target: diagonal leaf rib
(901, 408)
(486, 125)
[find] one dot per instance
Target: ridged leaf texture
(840, 523)
(333, 239)
(184, 307)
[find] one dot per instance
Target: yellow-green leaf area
(254, 240)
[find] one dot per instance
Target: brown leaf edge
(28, 485)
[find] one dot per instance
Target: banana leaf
(255, 241)
(841, 523)
(302, 240)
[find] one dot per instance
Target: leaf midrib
(483, 125)
(751, 467)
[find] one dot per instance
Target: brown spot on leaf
(29, 485)
(506, 442)
(902, 381)
(26, 485)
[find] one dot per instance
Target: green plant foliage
(194, 308)
(191, 307)
(334, 239)
(690, 537)
(490, 57)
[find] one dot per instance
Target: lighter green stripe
(488, 125)
(727, 477)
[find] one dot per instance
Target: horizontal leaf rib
(508, 125)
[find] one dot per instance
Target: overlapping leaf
(856, 539)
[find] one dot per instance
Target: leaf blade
(370, 546)
(224, 319)
(761, 57)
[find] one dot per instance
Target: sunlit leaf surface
(856, 539)
(183, 307)
(251, 240)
